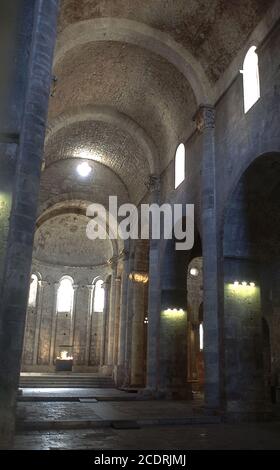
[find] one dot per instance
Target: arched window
(65, 295)
(98, 296)
(201, 329)
(251, 79)
(201, 337)
(33, 291)
(180, 165)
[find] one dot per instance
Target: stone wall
(47, 330)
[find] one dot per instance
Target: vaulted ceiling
(130, 75)
(213, 30)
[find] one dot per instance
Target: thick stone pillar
(173, 371)
(243, 341)
(137, 348)
(120, 372)
(128, 327)
(154, 299)
(18, 255)
(205, 120)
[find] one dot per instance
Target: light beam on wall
(243, 288)
(174, 313)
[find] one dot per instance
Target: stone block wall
(47, 330)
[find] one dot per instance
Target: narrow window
(251, 79)
(33, 291)
(99, 297)
(201, 337)
(65, 295)
(180, 165)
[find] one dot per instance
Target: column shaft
(206, 126)
(16, 277)
(154, 300)
(112, 311)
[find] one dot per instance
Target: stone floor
(38, 415)
(221, 436)
(91, 423)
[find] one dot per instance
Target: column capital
(153, 184)
(113, 262)
(205, 118)
(89, 286)
(124, 255)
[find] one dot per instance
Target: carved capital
(113, 262)
(53, 86)
(205, 118)
(124, 255)
(153, 184)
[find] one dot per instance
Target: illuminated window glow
(33, 291)
(65, 295)
(201, 338)
(194, 272)
(180, 165)
(251, 79)
(84, 169)
(99, 297)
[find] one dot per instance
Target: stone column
(89, 325)
(18, 256)
(128, 321)
(46, 323)
(54, 324)
(120, 373)
(137, 343)
(75, 306)
(104, 328)
(112, 311)
(80, 320)
(205, 120)
(41, 287)
(117, 317)
(154, 299)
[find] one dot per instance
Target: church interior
(135, 343)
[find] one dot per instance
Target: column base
(7, 428)
(106, 370)
(249, 412)
(178, 393)
(119, 375)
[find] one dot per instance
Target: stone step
(59, 381)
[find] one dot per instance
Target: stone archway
(251, 272)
